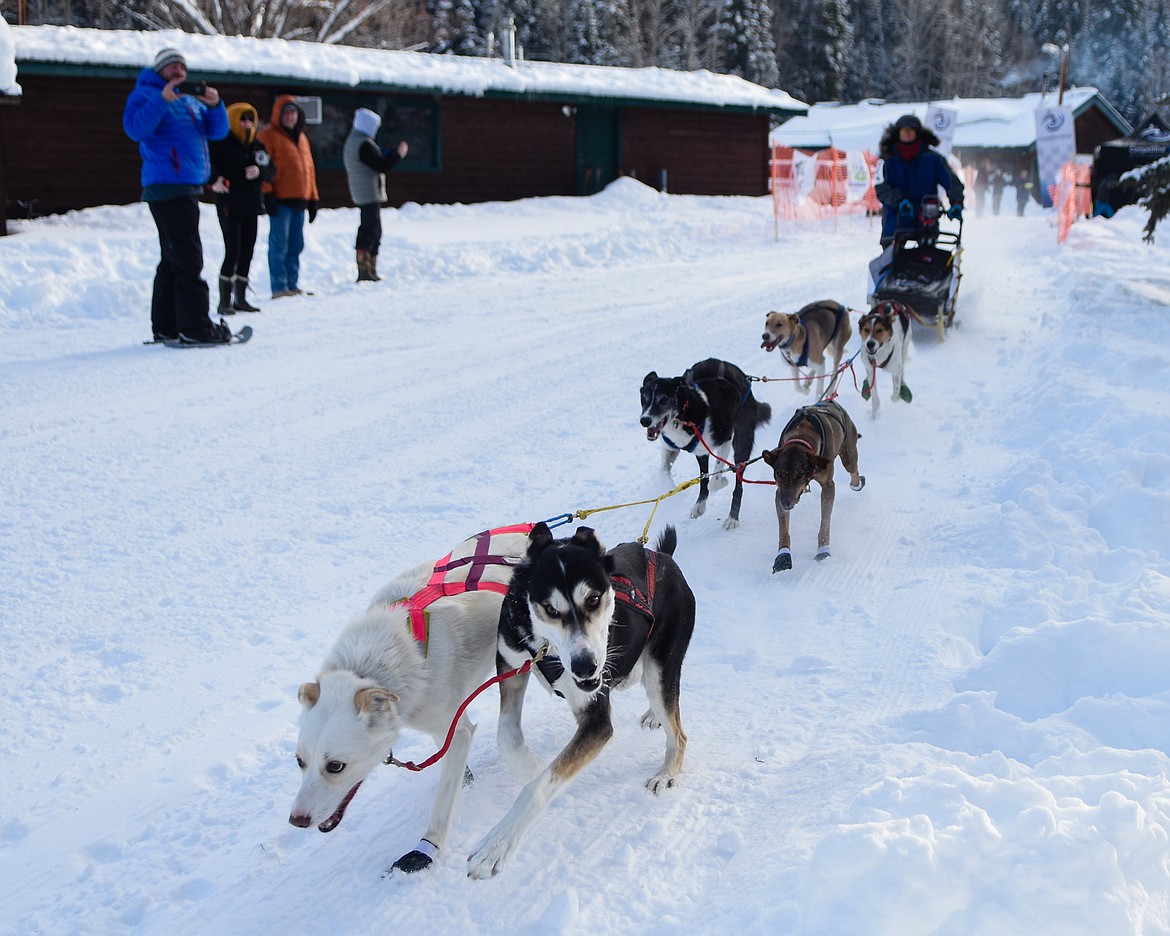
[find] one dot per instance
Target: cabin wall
(63, 146)
(703, 153)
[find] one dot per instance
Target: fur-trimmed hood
(890, 134)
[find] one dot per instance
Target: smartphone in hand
(193, 88)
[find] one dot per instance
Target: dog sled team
(584, 619)
(581, 618)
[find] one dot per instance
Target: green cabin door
(598, 145)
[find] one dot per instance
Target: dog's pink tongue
(335, 820)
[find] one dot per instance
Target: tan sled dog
(804, 338)
(426, 642)
(813, 439)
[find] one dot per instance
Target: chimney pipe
(510, 42)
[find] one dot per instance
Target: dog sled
(921, 267)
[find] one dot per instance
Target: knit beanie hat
(166, 57)
(366, 121)
(908, 121)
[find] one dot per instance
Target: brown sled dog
(805, 337)
(813, 439)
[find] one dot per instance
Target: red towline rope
(739, 469)
(438, 755)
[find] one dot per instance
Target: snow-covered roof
(8, 83)
(350, 67)
(1007, 123)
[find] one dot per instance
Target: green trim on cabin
(68, 69)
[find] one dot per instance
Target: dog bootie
(905, 393)
(860, 483)
(783, 561)
(823, 553)
(418, 860)
(865, 389)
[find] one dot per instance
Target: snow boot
(208, 333)
(374, 267)
(240, 303)
(365, 271)
(225, 296)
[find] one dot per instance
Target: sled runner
(921, 267)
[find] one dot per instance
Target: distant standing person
(291, 194)
(366, 165)
(241, 167)
(172, 130)
(981, 184)
(998, 184)
(1023, 190)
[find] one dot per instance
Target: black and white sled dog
(715, 396)
(607, 619)
(408, 662)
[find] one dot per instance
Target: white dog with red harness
(426, 642)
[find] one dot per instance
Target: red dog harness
(625, 591)
(439, 587)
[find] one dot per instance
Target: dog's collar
(688, 448)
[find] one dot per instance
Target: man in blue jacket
(172, 130)
(907, 171)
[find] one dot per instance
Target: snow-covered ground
(959, 724)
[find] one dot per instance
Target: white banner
(859, 179)
(1056, 144)
(942, 121)
(804, 167)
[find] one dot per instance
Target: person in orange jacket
(290, 195)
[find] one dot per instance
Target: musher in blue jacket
(907, 171)
(172, 130)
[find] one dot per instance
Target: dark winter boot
(365, 273)
(374, 267)
(225, 296)
(241, 303)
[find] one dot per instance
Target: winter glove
(905, 207)
(270, 205)
(312, 212)
(956, 213)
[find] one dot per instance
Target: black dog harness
(688, 380)
(624, 591)
(812, 415)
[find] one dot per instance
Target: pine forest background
(816, 50)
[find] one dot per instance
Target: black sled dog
(604, 620)
(716, 397)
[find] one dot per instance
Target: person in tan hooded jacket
(240, 167)
(290, 195)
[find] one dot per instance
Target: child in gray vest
(366, 165)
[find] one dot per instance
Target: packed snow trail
(974, 682)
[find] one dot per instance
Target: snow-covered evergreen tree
(1151, 184)
(749, 48)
